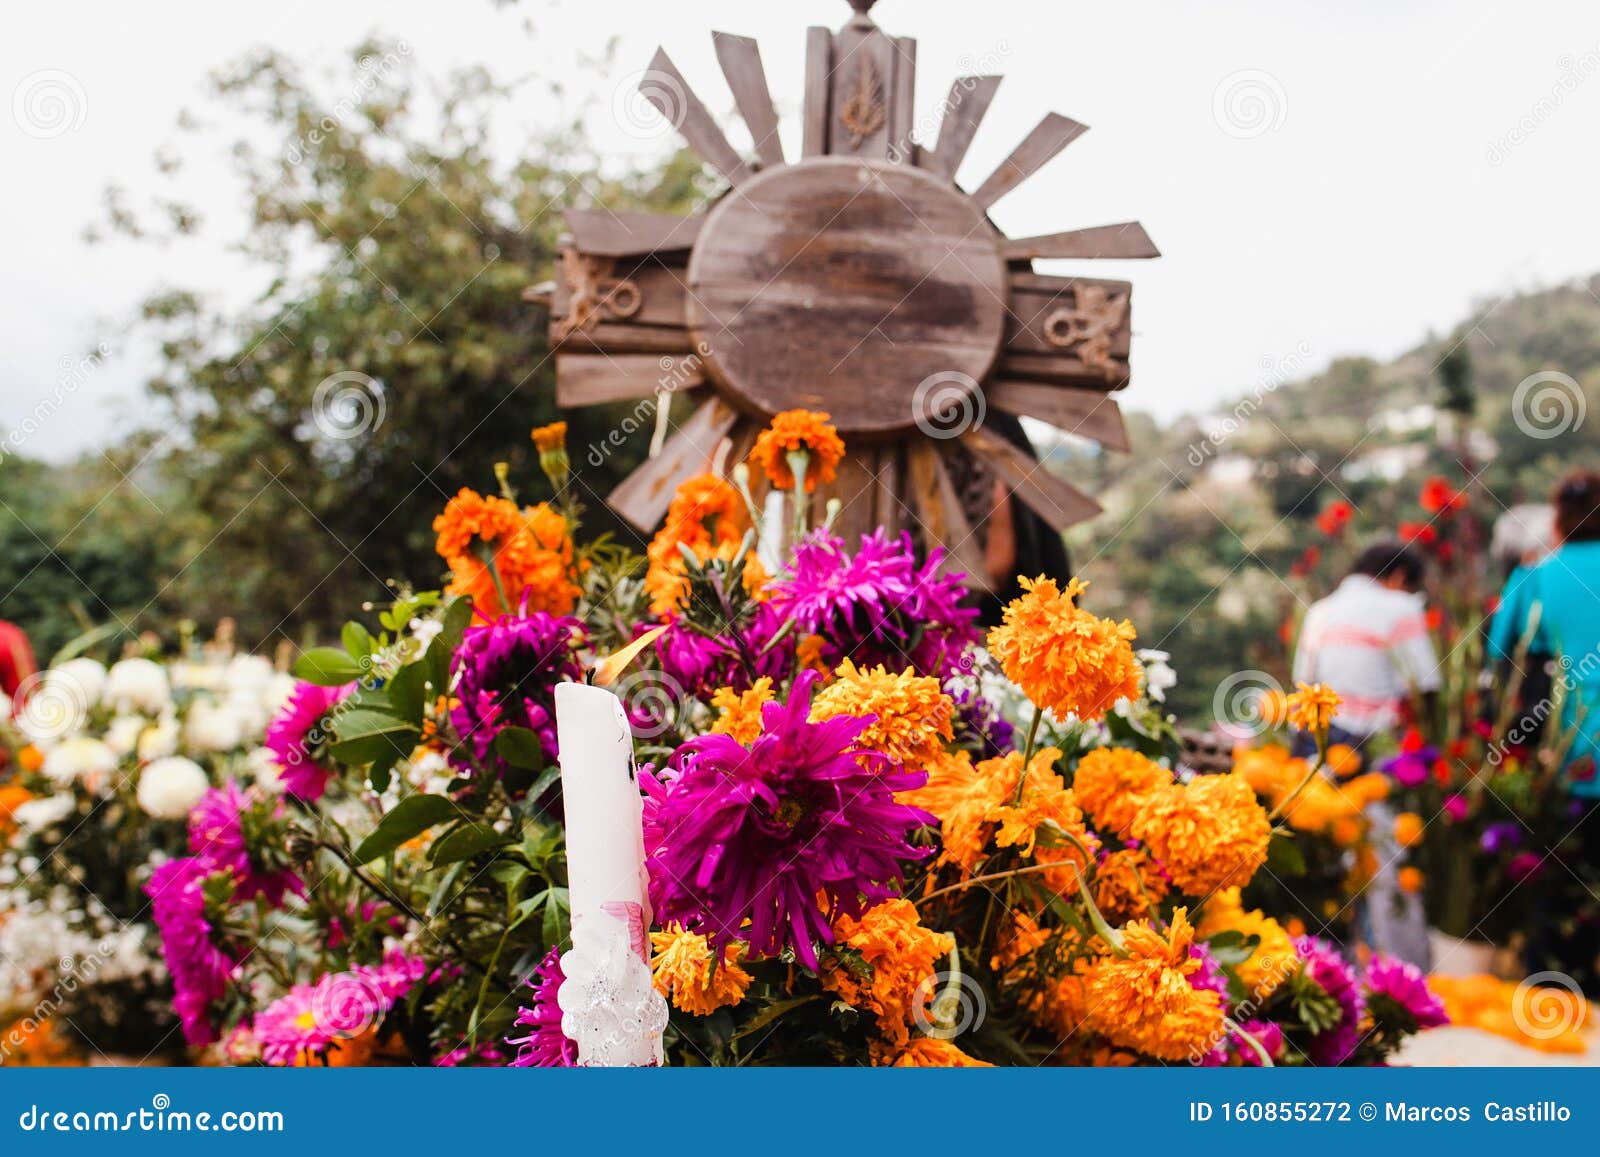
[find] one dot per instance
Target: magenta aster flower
(1333, 975)
(289, 1028)
(200, 970)
(217, 837)
(1402, 983)
(1268, 1034)
(877, 606)
(297, 736)
(789, 833)
(701, 664)
(311, 1018)
(546, 1046)
(508, 671)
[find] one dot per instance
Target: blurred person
(1548, 627)
(1552, 608)
(1368, 640)
(1523, 537)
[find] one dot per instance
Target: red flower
(1335, 517)
(1439, 497)
(1434, 617)
(1411, 740)
(1307, 562)
(1441, 773)
(1421, 532)
(1445, 551)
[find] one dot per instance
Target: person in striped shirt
(1368, 640)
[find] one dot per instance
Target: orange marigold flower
(1113, 783)
(1018, 937)
(531, 551)
(911, 713)
(1127, 883)
(1272, 707)
(550, 437)
(900, 953)
(965, 797)
(12, 796)
(1343, 760)
(1408, 829)
(30, 758)
(807, 431)
(808, 654)
(1410, 879)
(928, 1052)
(1274, 959)
(1144, 1001)
(741, 711)
(682, 969)
(708, 516)
(1210, 833)
(1062, 657)
(1312, 706)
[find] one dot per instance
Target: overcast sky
(1323, 179)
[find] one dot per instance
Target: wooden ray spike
(969, 99)
(625, 233)
(740, 58)
(939, 512)
(1125, 240)
(1059, 503)
(1054, 133)
(643, 496)
(1087, 413)
(663, 86)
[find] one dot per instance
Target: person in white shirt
(1368, 640)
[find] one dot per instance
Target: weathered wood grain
(664, 86)
(1052, 134)
(740, 58)
(1126, 240)
(643, 497)
(1059, 503)
(1089, 414)
(969, 99)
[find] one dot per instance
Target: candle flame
(607, 669)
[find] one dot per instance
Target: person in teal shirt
(1559, 598)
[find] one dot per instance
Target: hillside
(1205, 519)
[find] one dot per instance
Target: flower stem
(1316, 768)
(1027, 753)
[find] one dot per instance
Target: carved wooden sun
(858, 279)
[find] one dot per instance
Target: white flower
(424, 631)
(264, 768)
(1159, 677)
(138, 685)
(79, 759)
(248, 673)
(122, 733)
(160, 739)
(87, 675)
(169, 787)
(38, 814)
(276, 693)
(430, 772)
(212, 726)
(189, 676)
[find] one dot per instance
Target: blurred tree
(390, 360)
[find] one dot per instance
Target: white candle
(609, 1005)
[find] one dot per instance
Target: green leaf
(520, 747)
(1284, 857)
(465, 842)
(328, 667)
(771, 1013)
(1233, 947)
(357, 640)
(407, 692)
(409, 818)
(557, 921)
(378, 774)
(365, 736)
